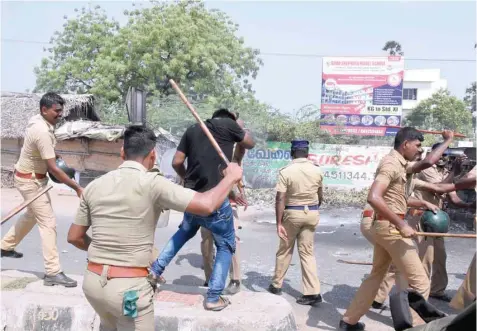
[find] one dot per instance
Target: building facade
(420, 84)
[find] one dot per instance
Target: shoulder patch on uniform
(156, 171)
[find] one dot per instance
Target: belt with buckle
(312, 207)
(118, 272)
(415, 212)
(29, 175)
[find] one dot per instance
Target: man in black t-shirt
(203, 162)
(203, 172)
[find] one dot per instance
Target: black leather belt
(313, 207)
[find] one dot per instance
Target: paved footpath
(337, 237)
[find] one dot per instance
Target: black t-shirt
(203, 161)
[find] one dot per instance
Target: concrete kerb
(38, 307)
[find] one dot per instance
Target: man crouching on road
(123, 207)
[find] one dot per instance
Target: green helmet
(438, 222)
(60, 163)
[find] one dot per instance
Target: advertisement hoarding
(343, 166)
(362, 95)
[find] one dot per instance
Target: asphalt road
(337, 236)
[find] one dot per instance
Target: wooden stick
(457, 135)
(202, 125)
(355, 262)
(435, 234)
(26, 203)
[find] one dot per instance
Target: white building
(420, 84)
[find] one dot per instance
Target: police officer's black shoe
(14, 254)
(59, 279)
(310, 299)
(443, 297)
(351, 327)
(233, 288)
(272, 289)
(379, 305)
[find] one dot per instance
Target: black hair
(139, 141)
(435, 146)
(299, 152)
(407, 134)
(223, 113)
(51, 98)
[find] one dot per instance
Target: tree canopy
(393, 48)
(196, 47)
(441, 111)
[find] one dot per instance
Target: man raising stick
(122, 208)
(388, 196)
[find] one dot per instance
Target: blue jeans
(221, 224)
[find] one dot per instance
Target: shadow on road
(189, 281)
(326, 312)
(194, 259)
(457, 275)
(39, 275)
(340, 297)
(255, 279)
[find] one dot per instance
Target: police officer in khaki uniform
(390, 278)
(123, 207)
(37, 157)
(420, 205)
(299, 195)
(388, 197)
(432, 250)
(466, 294)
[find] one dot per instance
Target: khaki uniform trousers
(300, 227)
(432, 253)
(207, 249)
(391, 276)
(38, 212)
(466, 293)
(106, 298)
(403, 254)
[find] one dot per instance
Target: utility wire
(268, 53)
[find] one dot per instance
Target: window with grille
(409, 94)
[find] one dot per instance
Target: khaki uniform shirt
(38, 146)
(123, 207)
(412, 182)
(431, 175)
(300, 181)
(396, 172)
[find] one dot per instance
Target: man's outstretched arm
(434, 156)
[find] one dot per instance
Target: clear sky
(426, 30)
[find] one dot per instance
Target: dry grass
(18, 108)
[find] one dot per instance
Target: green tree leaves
(441, 111)
(183, 40)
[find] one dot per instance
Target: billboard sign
(362, 95)
(343, 166)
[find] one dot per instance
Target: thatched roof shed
(17, 108)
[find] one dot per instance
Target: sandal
(219, 305)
